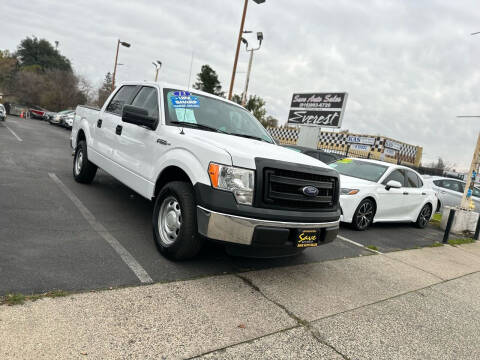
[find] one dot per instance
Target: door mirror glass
(393, 184)
(137, 116)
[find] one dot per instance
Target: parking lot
(59, 234)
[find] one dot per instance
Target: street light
(260, 39)
(232, 81)
(158, 65)
(123, 43)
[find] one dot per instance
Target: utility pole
(123, 43)
(465, 205)
(232, 81)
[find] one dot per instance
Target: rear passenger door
(415, 194)
(109, 119)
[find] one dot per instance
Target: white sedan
(375, 191)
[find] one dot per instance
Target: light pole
(260, 39)
(123, 43)
(158, 65)
(232, 81)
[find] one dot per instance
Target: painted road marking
(358, 244)
(103, 232)
(13, 132)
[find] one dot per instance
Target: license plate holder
(307, 238)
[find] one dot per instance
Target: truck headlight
(237, 180)
(346, 191)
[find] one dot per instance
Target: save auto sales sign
(320, 109)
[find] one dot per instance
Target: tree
(256, 105)
(207, 80)
(105, 90)
(8, 68)
(41, 54)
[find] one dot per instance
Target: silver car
(450, 191)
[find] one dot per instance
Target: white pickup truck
(211, 168)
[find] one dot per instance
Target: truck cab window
(122, 97)
(147, 99)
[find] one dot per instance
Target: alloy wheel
(364, 215)
(424, 216)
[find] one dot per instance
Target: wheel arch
(170, 173)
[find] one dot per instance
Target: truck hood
(244, 151)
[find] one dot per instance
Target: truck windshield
(359, 169)
(207, 113)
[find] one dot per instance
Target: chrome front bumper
(239, 230)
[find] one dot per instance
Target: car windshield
(211, 114)
(359, 169)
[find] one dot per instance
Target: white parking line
(358, 244)
(18, 137)
(103, 232)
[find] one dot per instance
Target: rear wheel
(175, 221)
(363, 216)
(83, 170)
(424, 216)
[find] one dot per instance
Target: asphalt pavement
(58, 234)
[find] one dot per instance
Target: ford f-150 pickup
(210, 167)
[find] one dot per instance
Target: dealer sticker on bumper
(307, 238)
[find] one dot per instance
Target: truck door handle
(424, 193)
(118, 130)
(99, 123)
(405, 193)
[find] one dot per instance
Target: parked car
(59, 118)
(450, 191)
(3, 113)
(323, 156)
(49, 115)
(38, 113)
(68, 120)
(211, 168)
(376, 191)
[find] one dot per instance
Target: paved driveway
(47, 241)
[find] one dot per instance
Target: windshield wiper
(200, 126)
(251, 137)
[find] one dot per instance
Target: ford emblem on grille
(310, 191)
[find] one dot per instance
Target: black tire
(83, 170)
(424, 216)
(176, 204)
(363, 216)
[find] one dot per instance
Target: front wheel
(175, 221)
(83, 170)
(363, 216)
(424, 216)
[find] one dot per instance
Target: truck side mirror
(137, 116)
(393, 184)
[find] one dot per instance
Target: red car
(38, 113)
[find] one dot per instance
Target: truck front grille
(283, 189)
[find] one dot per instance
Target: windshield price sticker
(183, 99)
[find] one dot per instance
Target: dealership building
(357, 145)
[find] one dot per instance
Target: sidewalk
(415, 304)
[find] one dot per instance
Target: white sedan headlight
(237, 180)
(346, 191)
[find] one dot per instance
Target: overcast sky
(410, 67)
